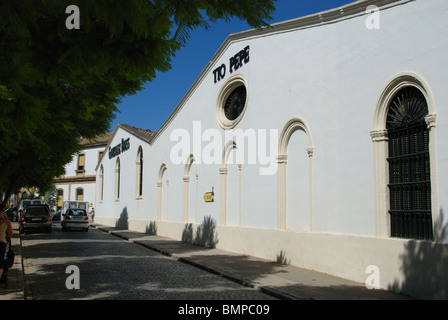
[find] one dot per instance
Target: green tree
(59, 84)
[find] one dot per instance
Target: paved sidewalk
(281, 281)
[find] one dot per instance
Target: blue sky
(150, 108)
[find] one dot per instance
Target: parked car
(35, 217)
(12, 214)
(75, 218)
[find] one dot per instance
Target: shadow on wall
(206, 235)
(123, 221)
(424, 266)
(151, 228)
(281, 258)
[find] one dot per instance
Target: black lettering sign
(219, 72)
(235, 63)
(237, 60)
(119, 148)
(125, 144)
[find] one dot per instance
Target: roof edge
(128, 129)
(313, 20)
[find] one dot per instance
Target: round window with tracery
(232, 102)
(235, 103)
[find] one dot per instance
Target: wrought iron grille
(409, 168)
(235, 103)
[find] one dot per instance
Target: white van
(74, 205)
(24, 202)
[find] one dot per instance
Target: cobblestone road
(112, 268)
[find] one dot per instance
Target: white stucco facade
(79, 180)
(312, 179)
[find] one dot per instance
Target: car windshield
(77, 212)
(36, 211)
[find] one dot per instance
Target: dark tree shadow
(187, 233)
(424, 266)
(281, 258)
(123, 221)
(206, 235)
(151, 228)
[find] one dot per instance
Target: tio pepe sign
(235, 63)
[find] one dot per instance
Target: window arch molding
(223, 172)
(162, 170)
(399, 82)
(379, 136)
(294, 124)
(117, 179)
(186, 179)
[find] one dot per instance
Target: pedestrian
(5, 235)
(92, 214)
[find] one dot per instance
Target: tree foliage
(57, 85)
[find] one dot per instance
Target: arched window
(188, 196)
(60, 198)
(117, 179)
(139, 177)
(296, 123)
(401, 147)
(230, 198)
(101, 183)
(162, 192)
(79, 194)
(409, 165)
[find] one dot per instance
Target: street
(93, 265)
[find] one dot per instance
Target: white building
(78, 182)
(338, 120)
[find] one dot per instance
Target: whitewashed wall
(331, 75)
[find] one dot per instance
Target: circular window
(232, 102)
(235, 103)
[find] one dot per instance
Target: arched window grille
(117, 179)
(101, 183)
(409, 165)
(140, 172)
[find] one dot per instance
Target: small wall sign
(210, 196)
